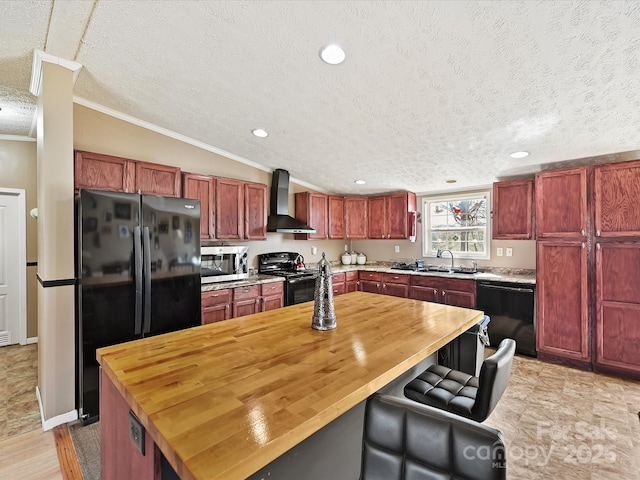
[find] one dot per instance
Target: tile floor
(559, 422)
(19, 410)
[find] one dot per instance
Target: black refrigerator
(138, 274)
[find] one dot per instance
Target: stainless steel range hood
(279, 219)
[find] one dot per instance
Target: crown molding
(16, 138)
(36, 70)
(181, 138)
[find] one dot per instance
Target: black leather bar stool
(404, 440)
(463, 394)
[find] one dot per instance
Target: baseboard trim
(57, 420)
(31, 340)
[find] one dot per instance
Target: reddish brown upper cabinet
(355, 217)
(229, 208)
(561, 203)
(617, 316)
(336, 216)
(154, 179)
(513, 210)
(104, 172)
(562, 301)
(311, 208)
(255, 211)
(617, 197)
(201, 187)
(388, 215)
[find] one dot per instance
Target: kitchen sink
(447, 269)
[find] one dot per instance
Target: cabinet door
(201, 187)
(217, 313)
(618, 307)
(104, 172)
(377, 211)
(255, 211)
(371, 286)
(246, 307)
(355, 217)
(561, 203)
(154, 179)
(338, 288)
(311, 208)
(426, 294)
(272, 296)
(513, 210)
(395, 289)
(617, 197)
(336, 217)
(271, 303)
(398, 207)
(351, 286)
(229, 209)
(561, 308)
(458, 298)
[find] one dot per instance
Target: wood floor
(558, 422)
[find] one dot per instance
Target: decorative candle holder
(324, 315)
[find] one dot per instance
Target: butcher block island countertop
(223, 400)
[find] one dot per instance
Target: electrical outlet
(136, 431)
(499, 251)
(314, 250)
(397, 248)
(509, 252)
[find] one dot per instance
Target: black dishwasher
(511, 308)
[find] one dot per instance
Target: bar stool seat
(463, 394)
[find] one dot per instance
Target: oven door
(299, 290)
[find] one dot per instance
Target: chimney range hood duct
(279, 219)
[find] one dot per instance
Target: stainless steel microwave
(224, 263)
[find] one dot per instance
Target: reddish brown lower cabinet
(271, 296)
(115, 442)
(216, 305)
(351, 281)
(617, 325)
(451, 291)
(246, 300)
(337, 281)
(562, 302)
(370, 281)
(395, 284)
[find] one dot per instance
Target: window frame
(451, 197)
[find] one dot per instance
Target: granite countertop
(486, 274)
(252, 280)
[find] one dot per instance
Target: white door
(12, 267)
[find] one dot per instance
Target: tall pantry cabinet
(588, 230)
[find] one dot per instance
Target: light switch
(499, 251)
(314, 250)
(397, 249)
(509, 252)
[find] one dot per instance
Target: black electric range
(299, 285)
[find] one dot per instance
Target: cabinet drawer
(351, 276)
(338, 288)
(373, 276)
(338, 277)
(244, 293)
(396, 278)
(275, 288)
(216, 297)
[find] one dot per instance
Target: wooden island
(222, 401)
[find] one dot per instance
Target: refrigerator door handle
(137, 260)
(146, 250)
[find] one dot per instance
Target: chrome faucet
(439, 255)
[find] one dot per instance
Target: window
(457, 222)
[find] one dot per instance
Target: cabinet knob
(598, 246)
(444, 293)
(597, 233)
(435, 291)
(582, 232)
(528, 235)
(384, 285)
(388, 235)
(583, 245)
(227, 307)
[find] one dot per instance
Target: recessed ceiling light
(258, 132)
(332, 54)
(359, 182)
(451, 180)
(521, 154)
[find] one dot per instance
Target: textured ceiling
(429, 90)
